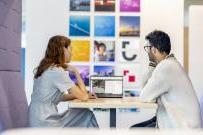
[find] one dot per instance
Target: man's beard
(152, 58)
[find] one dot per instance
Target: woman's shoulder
(55, 69)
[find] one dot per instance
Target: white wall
(46, 18)
(196, 48)
(187, 4)
(166, 15)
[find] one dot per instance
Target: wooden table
(112, 104)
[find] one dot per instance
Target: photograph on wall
(128, 50)
(104, 51)
(84, 73)
(131, 93)
(79, 5)
(104, 26)
(129, 26)
(105, 5)
(130, 73)
(104, 70)
(80, 50)
(79, 26)
(130, 5)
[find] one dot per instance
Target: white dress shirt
(171, 87)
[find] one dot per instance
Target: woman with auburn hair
(52, 85)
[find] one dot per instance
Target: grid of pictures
(79, 5)
(128, 50)
(129, 26)
(104, 70)
(79, 26)
(105, 38)
(104, 26)
(105, 5)
(104, 51)
(80, 50)
(84, 73)
(131, 75)
(130, 5)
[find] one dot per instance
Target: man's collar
(170, 56)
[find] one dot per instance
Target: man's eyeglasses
(147, 48)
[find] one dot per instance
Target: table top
(126, 102)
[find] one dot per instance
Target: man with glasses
(166, 82)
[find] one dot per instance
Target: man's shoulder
(168, 65)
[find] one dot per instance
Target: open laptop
(107, 87)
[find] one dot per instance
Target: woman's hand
(72, 69)
(92, 95)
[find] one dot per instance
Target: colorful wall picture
(104, 51)
(129, 26)
(84, 73)
(79, 26)
(104, 26)
(128, 50)
(80, 50)
(105, 5)
(131, 93)
(79, 5)
(130, 73)
(104, 70)
(130, 5)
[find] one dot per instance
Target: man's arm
(147, 73)
(155, 86)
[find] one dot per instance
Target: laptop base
(100, 95)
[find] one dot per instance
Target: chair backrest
(13, 103)
(1, 126)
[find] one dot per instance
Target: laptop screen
(107, 85)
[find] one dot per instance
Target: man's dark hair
(159, 40)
